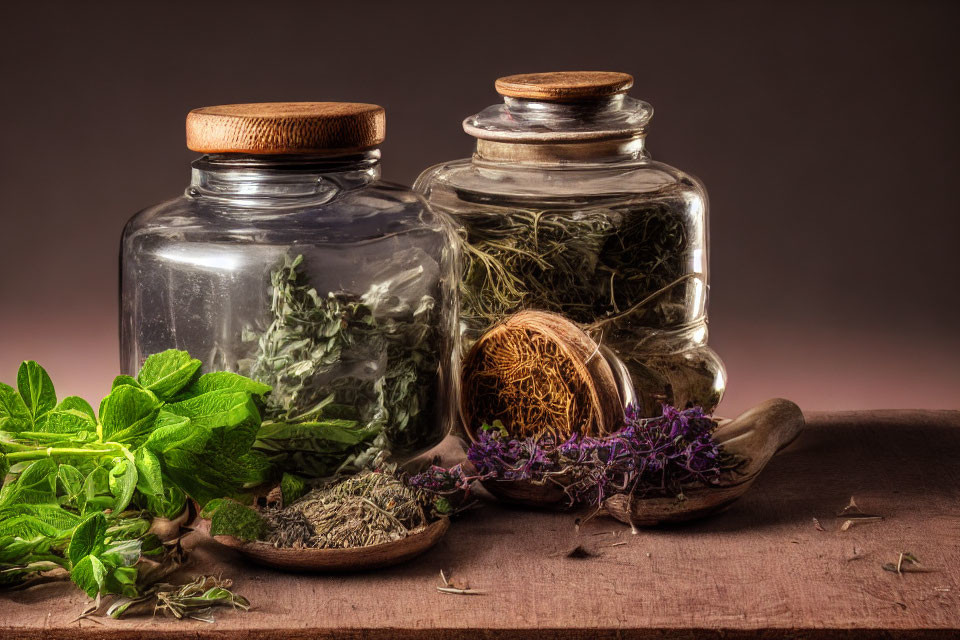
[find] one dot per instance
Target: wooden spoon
(754, 436)
(339, 560)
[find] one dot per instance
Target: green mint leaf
(71, 482)
(176, 432)
(35, 388)
(218, 409)
(149, 472)
(234, 519)
(95, 485)
(25, 526)
(170, 505)
(223, 381)
(89, 574)
(66, 421)
(50, 515)
(123, 482)
(128, 413)
(35, 485)
(292, 487)
(124, 553)
(121, 581)
(14, 414)
(123, 380)
(76, 403)
(88, 538)
(168, 372)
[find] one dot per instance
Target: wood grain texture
(759, 569)
(285, 127)
(564, 86)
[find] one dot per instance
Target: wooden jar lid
(564, 86)
(285, 127)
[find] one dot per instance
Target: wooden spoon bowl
(755, 436)
(339, 560)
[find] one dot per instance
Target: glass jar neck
(602, 152)
(604, 130)
(277, 178)
(582, 112)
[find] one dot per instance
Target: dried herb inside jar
(627, 274)
(352, 375)
(588, 265)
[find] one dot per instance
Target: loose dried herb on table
(647, 457)
(351, 375)
(80, 488)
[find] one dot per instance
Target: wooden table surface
(762, 568)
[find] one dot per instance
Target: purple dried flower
(647, 456)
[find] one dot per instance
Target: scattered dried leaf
(817, 525)
(459, 589)
(906, 563)
(854, 512)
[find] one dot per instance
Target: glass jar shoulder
(466, 178)
(377, 210)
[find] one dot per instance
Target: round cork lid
(285, 127)
(564, 86)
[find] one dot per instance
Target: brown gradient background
(826, 133)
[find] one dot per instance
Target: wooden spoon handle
(760, 432)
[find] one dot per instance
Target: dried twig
(906, 563)
(852, 512)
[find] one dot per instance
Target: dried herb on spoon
(370, 508)
(647, 457)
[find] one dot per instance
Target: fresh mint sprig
(79, 487)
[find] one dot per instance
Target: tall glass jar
(288, 260)
(562, 209)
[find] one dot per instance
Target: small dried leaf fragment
(456, 588)
(853, 512)
(817, 525)
(906, 563)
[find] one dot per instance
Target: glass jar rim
(522, 120)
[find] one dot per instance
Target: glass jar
(562, 209)
(288, 260)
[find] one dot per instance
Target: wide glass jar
(562, 209)
(288, 260)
